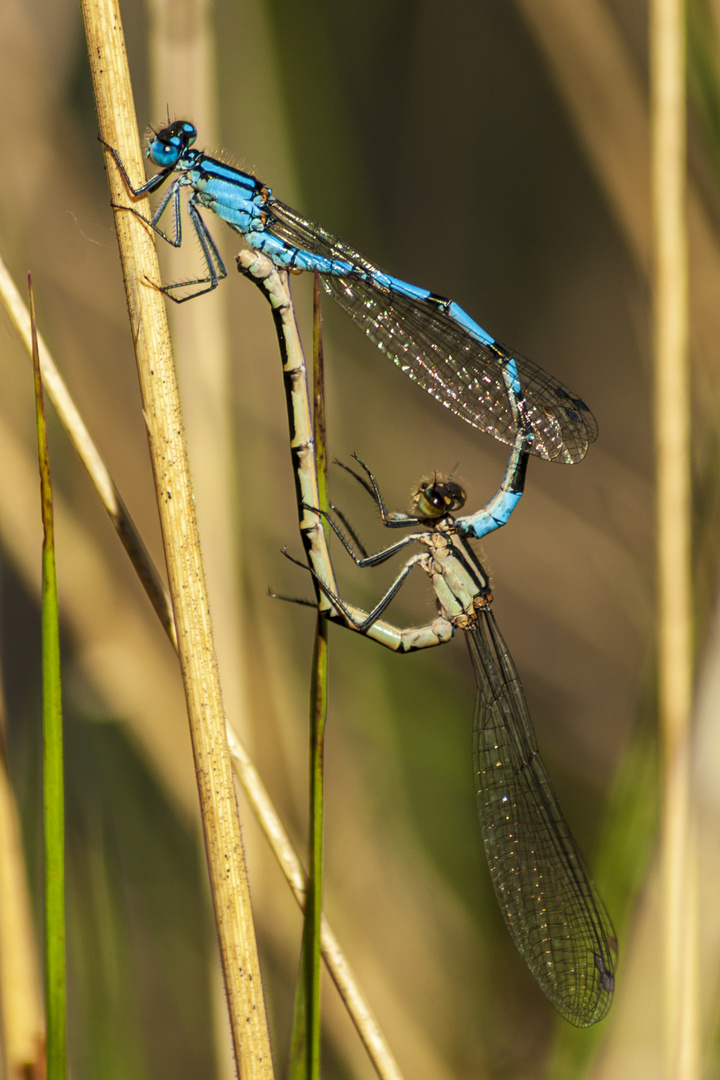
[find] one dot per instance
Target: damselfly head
(436, 498)
(167, 145)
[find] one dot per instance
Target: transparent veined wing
(550, 905)
(442, 349)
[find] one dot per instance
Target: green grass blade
(53, 788)
(318, 717)
(305, 1052)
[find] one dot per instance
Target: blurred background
(496, 153)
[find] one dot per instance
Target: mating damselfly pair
(549, 903)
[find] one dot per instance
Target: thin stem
(186, 577)
(672, 444)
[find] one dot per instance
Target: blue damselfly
(429, 337)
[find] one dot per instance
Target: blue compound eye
(164, 153)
